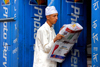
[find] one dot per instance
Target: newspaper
(64, 45)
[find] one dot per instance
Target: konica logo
(38, 2)
(75, 1)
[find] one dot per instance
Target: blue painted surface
(76, 58)
(9, 56)
(68, 12)
(75, 13)
(19, 34)
(22, 32)
(36, 18)
(95, 34)
(0, 36)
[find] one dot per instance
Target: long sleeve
(43, 44)
(43, 41)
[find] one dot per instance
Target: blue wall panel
(76, 58)
(0, 56)
(81, 6)
(6, 56)
(6, 37)
(21, 33)
(34, 18)
(21, 25)
(67, 19)
(9, 35)
(9, 56)
(0, 32)
(28, 57)
(36, 11)
(72, 12)
(95, 34)
(14, 56)
(68, 8)
(75, 13)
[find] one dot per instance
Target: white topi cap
(50, 10)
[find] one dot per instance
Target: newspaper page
(64, 45)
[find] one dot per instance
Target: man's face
(53, 18)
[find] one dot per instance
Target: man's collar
(48, 27)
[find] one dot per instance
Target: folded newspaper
(64, 45)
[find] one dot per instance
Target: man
(45, 39)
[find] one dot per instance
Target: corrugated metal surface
(76, 58)
(17, 37)
(95, 35)
(75, 13)
(70, 11)
(8, 36)
(36, 18)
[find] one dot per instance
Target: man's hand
(59, 36)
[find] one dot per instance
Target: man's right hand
(59, 36)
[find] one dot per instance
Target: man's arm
(42, 40)
(59, 36)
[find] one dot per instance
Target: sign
(95, 33)
(5, 2)
(75, 1)
(38, 2)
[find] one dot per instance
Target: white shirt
(44, 42)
